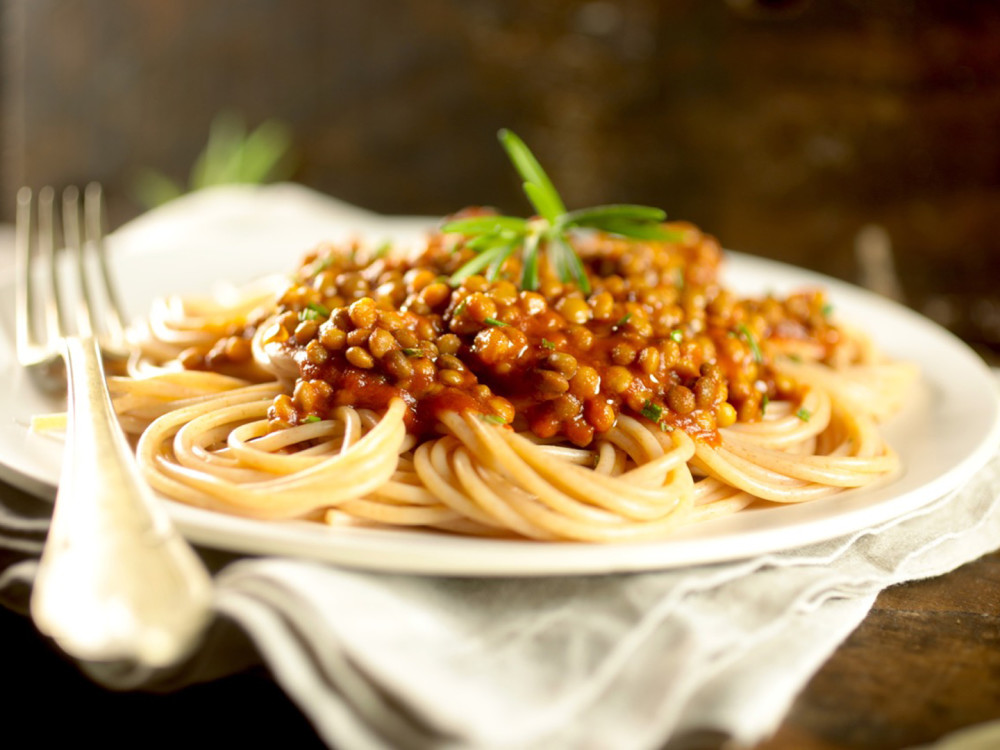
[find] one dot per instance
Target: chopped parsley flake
(751, 342)
(314, 311)
(320, 265)
(651, 411)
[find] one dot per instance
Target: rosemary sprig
(496, 238)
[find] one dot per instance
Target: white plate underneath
(944, 436)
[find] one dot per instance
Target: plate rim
(365, 548)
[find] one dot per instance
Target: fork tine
(37, 319)
(51, 248)
(113, 314)
(54, 309)
(73, 241)
(27, 339)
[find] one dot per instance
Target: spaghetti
(373, 388)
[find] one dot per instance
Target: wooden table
(925, 662)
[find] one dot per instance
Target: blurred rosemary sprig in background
(231, 155)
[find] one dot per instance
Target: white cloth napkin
(624, 661)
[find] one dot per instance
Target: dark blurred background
(825, 133)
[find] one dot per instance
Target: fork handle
(116, 582)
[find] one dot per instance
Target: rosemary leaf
(624, 211)
(529, 269)
(531, 171)
(546, 202)
(480, 262)
(574, 267)
(639, 231)
(486, 224)
(494, 269)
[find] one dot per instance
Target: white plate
(943, 437)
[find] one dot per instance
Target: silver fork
(117, 587)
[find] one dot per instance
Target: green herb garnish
(493, 322)
(319, 266)
(651, 411)
(411, 352)
(495, 419)
(803, 414)
(623, 320)
(233, 154)
(313, 418)
(764, 401)
(319, 309)
(751, 342)
(496, 238)
(548, 344)
(314, 311)
(677, 335)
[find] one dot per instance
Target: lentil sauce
(656, 338)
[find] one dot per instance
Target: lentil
(359, 357)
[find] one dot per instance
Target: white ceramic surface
(948, 432)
